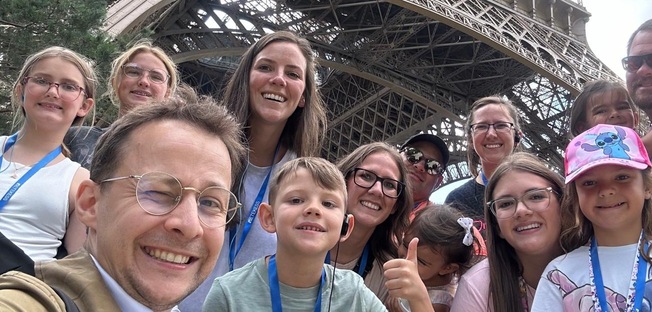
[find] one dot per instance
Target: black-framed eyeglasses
(414, 156)
(39, 86)
(366, 179)
(158, 193)
(156, 76)
(535, 200)
(633, 62)
(498, 127)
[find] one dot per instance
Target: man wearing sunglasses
(155, 208)
(638, 65)
(426, 156)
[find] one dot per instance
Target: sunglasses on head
(414, 156)
(634, 62)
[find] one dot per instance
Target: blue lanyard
(274, 288)
(639, 286)
(485, 181)
(233, 250)
(40, 164)
(362, 262)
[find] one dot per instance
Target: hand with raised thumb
(403, 280)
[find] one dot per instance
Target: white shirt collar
(125, 302)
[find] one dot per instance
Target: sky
(607, 31)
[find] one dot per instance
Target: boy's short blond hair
(323, 172)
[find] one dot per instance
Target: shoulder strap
(70, 305)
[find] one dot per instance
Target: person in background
(155, 209)
(54, 90)
(602, 102)
(524, 225)
(638, 68)
(307, 211)
(493, 131)
(141, 75)
(445, 249)
(426, 157)
(274, 95)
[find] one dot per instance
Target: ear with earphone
(345, 225)
(517, 138)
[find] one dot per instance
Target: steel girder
(393, 68)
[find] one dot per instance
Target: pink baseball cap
(605, 145)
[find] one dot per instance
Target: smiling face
(46, 108)
(639, 82)
(157, 260)
(134, 92)
(371, 207)
(492, 146)
(612, 198)
(277, 83)
(610, 107)
(530, 233)
(432, 265)
(423, 183)
(306, 217)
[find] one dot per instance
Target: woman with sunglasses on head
(380, 203)
(523, 234)
(493, 132)
(141, 75)
(54, 90)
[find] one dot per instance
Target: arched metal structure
(396, 67)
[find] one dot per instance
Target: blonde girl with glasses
(523, 230)
(139, 76)
(609, 188)
(54, 90)
(493, 132)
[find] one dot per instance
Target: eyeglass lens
(535, 200)
(414, 156)
(159, 193)
(154, 75)
(634, 62)
(367, 179)
(39, 86)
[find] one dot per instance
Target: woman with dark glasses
(493, 132)
(380, 203)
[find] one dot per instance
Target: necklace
(16, 169)
(525, 292)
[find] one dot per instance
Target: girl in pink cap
(608, 211)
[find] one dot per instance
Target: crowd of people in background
(190, 203)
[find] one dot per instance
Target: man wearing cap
(425, 156)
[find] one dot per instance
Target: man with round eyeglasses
(426, 157)
(155, 207)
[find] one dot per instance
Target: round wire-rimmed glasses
(158, 193)
(156, 76)
(39, 86)
(535, 200)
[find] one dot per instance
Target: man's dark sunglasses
(414, 156)
(634, 62)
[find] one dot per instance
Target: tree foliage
(27, 26)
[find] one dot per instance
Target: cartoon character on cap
(608, 204)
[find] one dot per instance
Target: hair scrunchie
(467, 224)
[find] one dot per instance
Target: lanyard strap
(275, 291)
(233, 249)
(40, 164)
(637, 283)
(485, 181)
(361, 264)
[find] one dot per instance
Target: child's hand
(403, 280)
